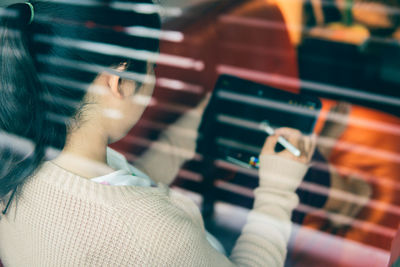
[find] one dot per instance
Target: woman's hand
(306, 145)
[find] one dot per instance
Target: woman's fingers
(269, 145)
(305, 144)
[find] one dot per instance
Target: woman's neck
(85, 153)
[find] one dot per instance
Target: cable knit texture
(61, 219)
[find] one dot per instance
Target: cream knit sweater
(64, 220)
(61, 219)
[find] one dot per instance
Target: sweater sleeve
(178, 239)
(264, 238)
(177, 144)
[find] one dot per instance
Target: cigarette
(281, 140)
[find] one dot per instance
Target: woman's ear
(113, 83)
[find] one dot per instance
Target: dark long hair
(47, 65)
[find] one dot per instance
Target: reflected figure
(365, 160)
(334, 127)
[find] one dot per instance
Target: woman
(73, 80)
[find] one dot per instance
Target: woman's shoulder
(51, 181)
(134, 222)
(55, 192)
(50, 178)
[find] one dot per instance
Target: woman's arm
(177, 144)
(181, 239)
(268, 227)
(264, 238)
